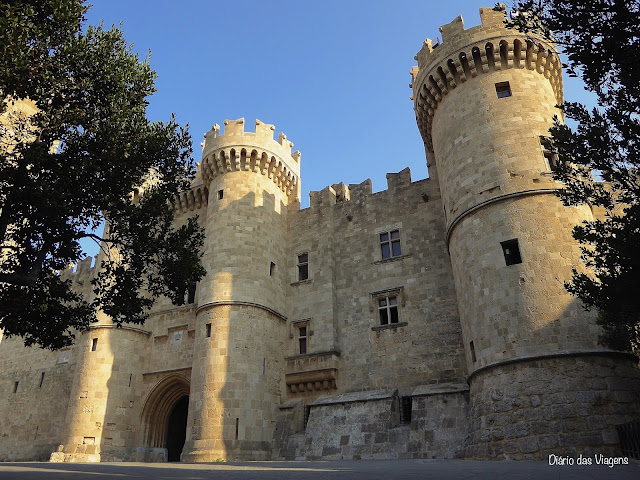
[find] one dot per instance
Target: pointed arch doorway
(165, 416)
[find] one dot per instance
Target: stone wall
(32, 413)
(369, 425)
(565, 406)
(340, 231)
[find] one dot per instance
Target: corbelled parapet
(465, 54)
(193, 199)
(258, 152)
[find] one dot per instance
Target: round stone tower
(102, 410)
(237, 372)
(484, 100)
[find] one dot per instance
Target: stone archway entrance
(177, 429)
(165, 417)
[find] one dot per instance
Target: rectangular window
(302, 340)
(208, 329)
(405, 409)
(303, 266)
(511, 252)
(388, 309)
(94, 344)
(191, 294)
(503, 89)
(390, 244)
(220, 194)
(549, 152)
(272, 269)
(473, 351)
(15, 387)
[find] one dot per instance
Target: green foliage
(76, 162)
(601, 39)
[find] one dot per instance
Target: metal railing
(629, 434)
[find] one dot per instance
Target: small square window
(303, 266)
(511, 252)
(388, 309)
(94, 344)
(503, 89)
(220, 194)
(390, 244)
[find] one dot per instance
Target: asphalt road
(352, 470)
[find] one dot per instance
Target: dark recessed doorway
(177, 429)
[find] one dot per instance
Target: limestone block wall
(172, 339)
(35, 386)
(520, 310)
(347, 274)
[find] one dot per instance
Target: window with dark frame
(550, 153)
(390, 244)
(302, 339)
(405, 410)
(191, 294)
(511, 252)
(503, 89)
(388, 309)
(303, 266)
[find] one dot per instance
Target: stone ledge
(439, 389)
(368, 396)
(392, 259)
(313, 354)
(391, 325)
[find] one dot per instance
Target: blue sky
(332, 75)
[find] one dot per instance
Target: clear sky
(332, 75)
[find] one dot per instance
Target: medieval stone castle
(428, 320)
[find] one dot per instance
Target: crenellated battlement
(465, 54)
(398, 182)
(83, 271)
(258, 152)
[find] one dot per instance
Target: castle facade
(428, 320)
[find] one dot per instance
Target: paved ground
(351, 470)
